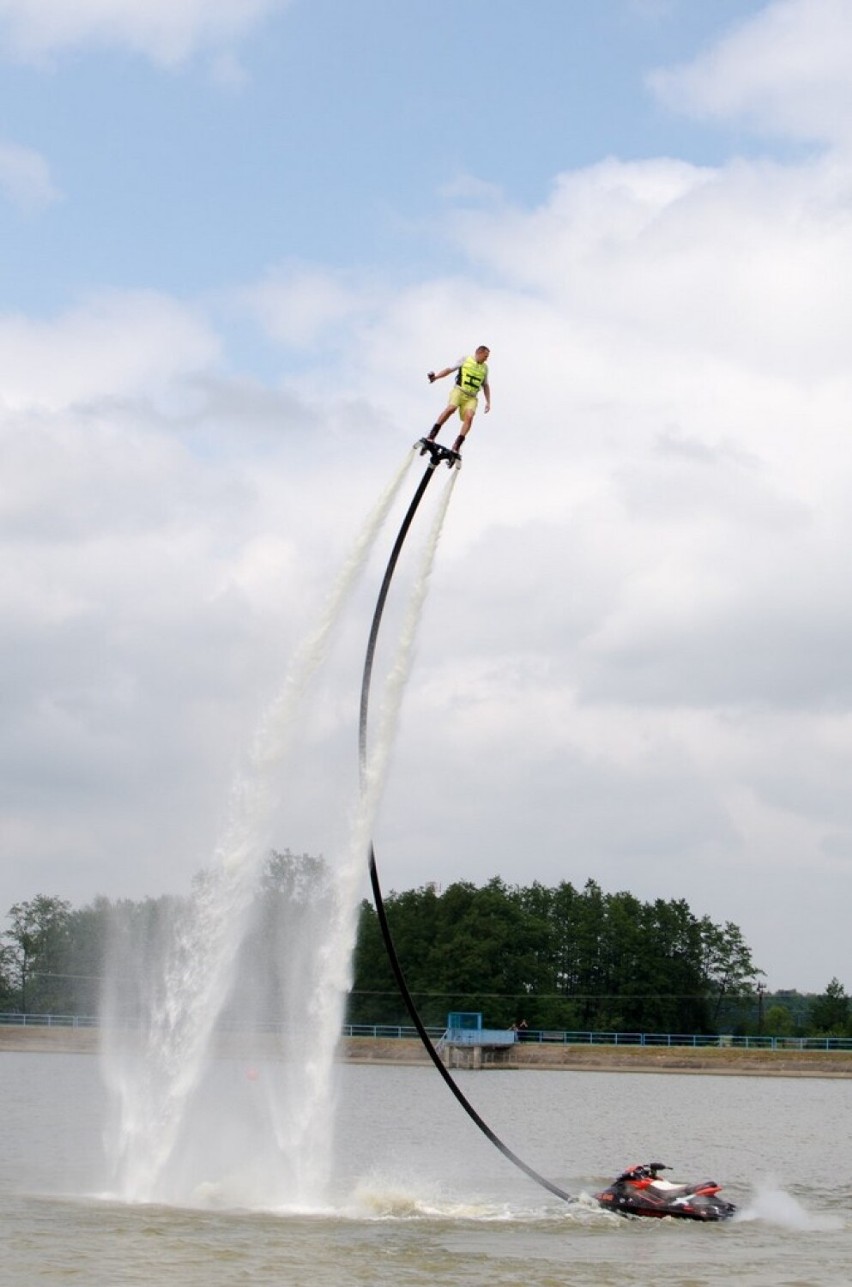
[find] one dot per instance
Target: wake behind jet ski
(640, 1191)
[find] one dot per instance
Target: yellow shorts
(465, 402)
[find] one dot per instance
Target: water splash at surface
(775, 1206)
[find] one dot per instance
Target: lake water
(421, 1197)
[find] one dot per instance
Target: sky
(234, 237)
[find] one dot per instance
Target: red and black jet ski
(641, 1192)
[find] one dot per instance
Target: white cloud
(25, 177)
(167, 31)
(785, 71)
(137, 344)
(299, 305)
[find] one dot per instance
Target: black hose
(374, 873)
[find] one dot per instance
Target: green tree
(727, 968)
(9, 993)
(779, 1022)
(35, 947)
(588, 932)
(82, 958)
(484, 953)
(829, 1013)
(678, 1002)
(374, 997)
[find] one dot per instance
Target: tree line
(553, 958)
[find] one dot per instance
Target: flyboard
(438, 455)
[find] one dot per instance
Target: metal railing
(397, 1031)
(694, 1040)
(49, 1020)
(391, 1031)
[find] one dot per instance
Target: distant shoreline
(724, 1061)
(379, 1051)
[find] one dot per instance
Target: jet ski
(640, 1191)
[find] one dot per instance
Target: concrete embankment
(383, 1050)
(676, 1059)
(58, 1040)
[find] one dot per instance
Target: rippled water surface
(420, 1197)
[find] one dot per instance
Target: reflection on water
(421, 1197)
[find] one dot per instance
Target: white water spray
(332, 977)
(774, 1205)
(397, 678)
(169, 1133)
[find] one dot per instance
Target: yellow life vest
(472, 375)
